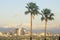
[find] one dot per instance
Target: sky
(12, 14)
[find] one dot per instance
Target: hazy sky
(12, 13)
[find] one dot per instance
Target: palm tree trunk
(31, 28)
(45, 28)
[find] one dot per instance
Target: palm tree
(46, 15)
(33, 10)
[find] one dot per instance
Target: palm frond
(42, 18)
(50, 18)
(26, 12)
(46, 11)
(51, 14)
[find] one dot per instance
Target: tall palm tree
(33, 10)
(46, 15)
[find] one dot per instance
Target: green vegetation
(46, 15)
(33, 10)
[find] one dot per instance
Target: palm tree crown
(47, 15)
(32, 8)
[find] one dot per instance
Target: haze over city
(12, 14)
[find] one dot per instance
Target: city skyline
(12, 13)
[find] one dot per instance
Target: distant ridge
(34, 30)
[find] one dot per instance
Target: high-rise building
(20, 31)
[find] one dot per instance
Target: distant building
(20, 31)
(47, 34)
(1, 34)
(56, 34)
